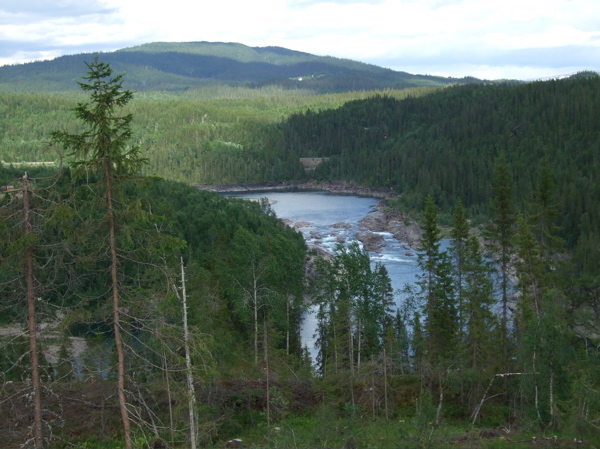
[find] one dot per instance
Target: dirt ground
(71, 411)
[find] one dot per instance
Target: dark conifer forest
(138, 311)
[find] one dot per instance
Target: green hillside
(446, 144)
(212, 135)
(178, 67)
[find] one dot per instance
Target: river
(326, 219)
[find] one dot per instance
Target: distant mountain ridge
(179, 66)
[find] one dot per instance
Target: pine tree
(545, 211)
(354, 303)
(458, 247)
(436, 289)
(501, 233)
(103, 149)
(478, 294)
(429, 260)
(481, 324)
(529, 269)
(286, 266)
(30, 260)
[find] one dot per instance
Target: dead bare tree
(188, 364)
(31, 320)
(26, 259)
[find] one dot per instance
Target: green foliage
(425, 420)
(95, 443)
(354, 309)
(103, 146)
(546, 211)
(529, 269)
(500, 234)
(226, 137)
(545, 353)
(481, 324)
(436, 293)
(459, 235)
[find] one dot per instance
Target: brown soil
(72, 411)
(83, 411)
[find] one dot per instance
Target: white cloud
(440, 36)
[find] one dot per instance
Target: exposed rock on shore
(341, 225)
(398, 224)
(339, 238)
(314, 252)
(341, 188)
(296, 224)
(372, 242)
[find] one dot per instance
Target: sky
(487, 39)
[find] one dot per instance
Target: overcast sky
(491, 39)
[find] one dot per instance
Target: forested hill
(447, 144)
(178, 67)
(163, 302)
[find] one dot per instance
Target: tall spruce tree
(458, 248)
(501, 236)
(103, 150)
(529, 269)
(479, 298)
(545, 211)
(436, 289)
(481, 326)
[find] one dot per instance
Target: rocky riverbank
(339, 188)
(384, 219)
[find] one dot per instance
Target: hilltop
(180, 66)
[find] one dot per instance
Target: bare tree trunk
(359, 332)
(255, 301)
(438, 415)
(32, 323)
(351, 356)
(385, 393)
(266, 352)
(484, 398)
(504, 326)
(188, 365)
(169, 399)
(552, 398)
(335, 348)
(116, 313)
(537, 402)
(289, 325)
(372, 388)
